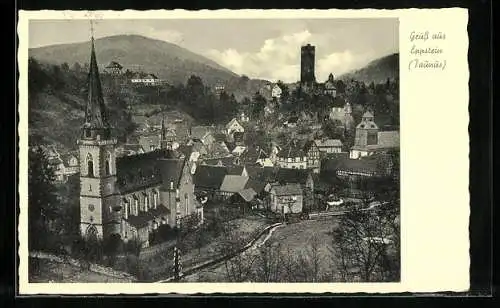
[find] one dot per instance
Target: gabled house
(208, 179)
(232, 184)
(114, 68)
(234, 126)
(286, 199)
(292, 156)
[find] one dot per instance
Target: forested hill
(377, 71)
(139, 53)
(57, 97)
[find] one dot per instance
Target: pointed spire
(95, 112)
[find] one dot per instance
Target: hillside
(138, 53)
(377, 71)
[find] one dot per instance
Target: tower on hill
(307, 63)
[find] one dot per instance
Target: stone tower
(307, 61)
(99, 213)
(366, 131)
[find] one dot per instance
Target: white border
(434, 161)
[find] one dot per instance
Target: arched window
(90, 165)
(91, 233)
(146, 202)
(186, 203)
(107, 164)
(136, 205)
(155, 199)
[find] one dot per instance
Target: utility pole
(177, 251)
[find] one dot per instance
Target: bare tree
(362, 243)
(268, 265)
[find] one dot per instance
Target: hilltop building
(329, 87)
(127, 196)
(114, 68)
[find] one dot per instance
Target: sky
(259, 48)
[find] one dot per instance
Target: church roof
(171, 171)
(95, 112)
(138, 171)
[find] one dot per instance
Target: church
(129, 196)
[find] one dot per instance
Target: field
(159, 264)
(295, 240)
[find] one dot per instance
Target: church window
(90, 165)
(186, 203)
(91, 207)
(146, 202)
(107, 164)
(155, 199)
(371, 138)
(87, 133)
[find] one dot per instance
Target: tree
(259, 102)
(268, 263)
(333, 129)
(42, 200)
(363, 241)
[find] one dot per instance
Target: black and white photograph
(214, 150)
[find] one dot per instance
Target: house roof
(286, 190)
(328, 143)
(286, 175)
(114, 64)
(292, 149)
(367, 165)
(247, 194)
(209, 176)
(233, 120)
(233, 183)
(171, 171)
(256, 184)
(235, 170)
(144, 218)
(199, 132)
(239, 149)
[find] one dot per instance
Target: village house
(316, 149)
(276, 92)
(219, 88)
(64, 166)
(234, 126)
(303, 177)
(114, 68)
(208, 180)
(232, 184)
(369, 140)
(342, 111)
(128, 196)
(244, 118)
(286, 199)
(292, 156)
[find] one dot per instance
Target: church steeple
(96, 120)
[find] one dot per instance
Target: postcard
(243, 151)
